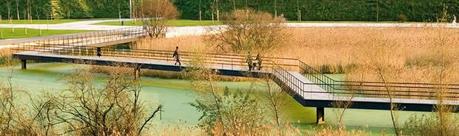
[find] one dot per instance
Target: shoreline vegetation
(415, 52)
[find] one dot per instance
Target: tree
(249, 30)
(275, 8)
(155, 14)
(275, 100)
(113, 110)
(298, 10)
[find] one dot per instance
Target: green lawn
(57, 21)
(170, 23)
(7, 33)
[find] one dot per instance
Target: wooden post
(24, 64)
(320, 115)
(136, 72)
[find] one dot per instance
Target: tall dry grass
(413, 53)
(187, 43)
(6, 52)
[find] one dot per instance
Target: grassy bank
(170, 23)
(8, 33)
(57, 21)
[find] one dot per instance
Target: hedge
(311, 10)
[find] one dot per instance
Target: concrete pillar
(24, 64)
(320, 115)
(137, 72)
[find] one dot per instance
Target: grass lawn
(57, 21)
(170, 23)
(7, 33)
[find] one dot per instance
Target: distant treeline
(324, 10)
(64, 8)
(312, 10)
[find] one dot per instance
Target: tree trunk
(275, 8)
(17, 9)
(298, 10)
(200, 11)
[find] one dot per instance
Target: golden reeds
(414, 52)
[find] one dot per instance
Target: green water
(175, 95)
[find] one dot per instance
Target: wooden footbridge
(305, 84)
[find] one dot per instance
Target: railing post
(24, 64)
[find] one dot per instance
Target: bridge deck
(168, 65)
(321, 94)
(309, 91)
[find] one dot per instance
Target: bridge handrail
(299, 87)
(425, 90)
(85, 37)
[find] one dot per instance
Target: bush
(249, 30)
(402, 18)
(431, 126)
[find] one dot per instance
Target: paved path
(201, 30)
(79, 25)
(91, 25)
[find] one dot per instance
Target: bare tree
(275, 100)
(234, 4)
(249, 30)
(225, 111)
(385, 72)
(200, 10)
(216, 7)
(345, 102)
(113, 110)
(298, 10)
(275, 8)
(155, 14)
(17, 9)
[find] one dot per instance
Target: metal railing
(212, 60)
(374, 89)
(86, 39)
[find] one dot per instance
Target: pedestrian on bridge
(98, 52)
(258, 58)
(176, 56)
(249, 61)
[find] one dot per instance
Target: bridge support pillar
(136, 72)
(320, 115)
(23, 64)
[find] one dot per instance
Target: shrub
(249, 30)
(402, 18)
(430, 126)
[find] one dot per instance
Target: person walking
(98, 51)
(249, 61)
(259, 61)
(176, 56)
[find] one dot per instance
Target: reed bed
(411, 54)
